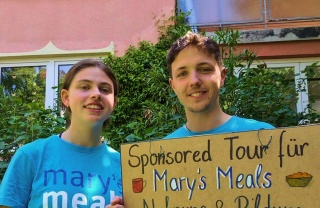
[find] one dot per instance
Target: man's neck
(198, 122)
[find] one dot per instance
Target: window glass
(206, 12)
(219, 12)
(294, 9)
(314, 88)
(287, 72)
(27, 82)
(63, 70)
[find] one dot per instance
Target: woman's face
(90, 97)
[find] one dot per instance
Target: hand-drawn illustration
(138, 184)
(299, 179)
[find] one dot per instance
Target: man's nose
(194, 79)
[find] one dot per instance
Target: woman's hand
(116, 203)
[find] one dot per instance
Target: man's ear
(65, 97)
(171, 83)
(115, 103)
(223, 75)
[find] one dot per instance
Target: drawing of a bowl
(299, 179)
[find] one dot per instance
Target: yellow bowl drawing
(298, 182)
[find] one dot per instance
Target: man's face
(196, 80)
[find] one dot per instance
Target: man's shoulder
(178, 133)
(234, 124)
(250, 124)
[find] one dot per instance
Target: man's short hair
(203, 43)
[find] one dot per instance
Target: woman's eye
(84, 87)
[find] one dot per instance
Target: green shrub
(23, 122)
(147, 107)
(256, 91)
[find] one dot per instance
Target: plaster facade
(72, 25)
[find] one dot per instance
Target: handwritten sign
(258, 169)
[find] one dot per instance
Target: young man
(196, 76)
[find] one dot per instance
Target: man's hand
(116, 203)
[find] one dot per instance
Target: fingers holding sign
(116, 202)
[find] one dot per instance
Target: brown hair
(206, 44)
(76, 68)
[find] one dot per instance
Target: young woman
(74, 168)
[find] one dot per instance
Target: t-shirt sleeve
(16, 185)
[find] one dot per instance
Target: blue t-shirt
(55, 173)
(234, 124)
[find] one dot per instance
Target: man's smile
(94, 106)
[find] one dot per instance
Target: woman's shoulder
(38, 144)
(112, 152)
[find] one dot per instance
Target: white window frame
(299, 65)
(32, 64)
(265, 13)
(188, 6)
(51, 76)
(54, 94)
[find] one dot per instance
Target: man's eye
(205, 69)
(182, 74)
(105, 90)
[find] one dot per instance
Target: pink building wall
(30, 25)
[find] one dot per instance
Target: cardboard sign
(255, 169)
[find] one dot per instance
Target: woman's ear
(65, 97)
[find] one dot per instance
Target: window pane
(314, 89)
(63, 70)
(209, 12)
(27, 82)
(288, 72)
(294, 9)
